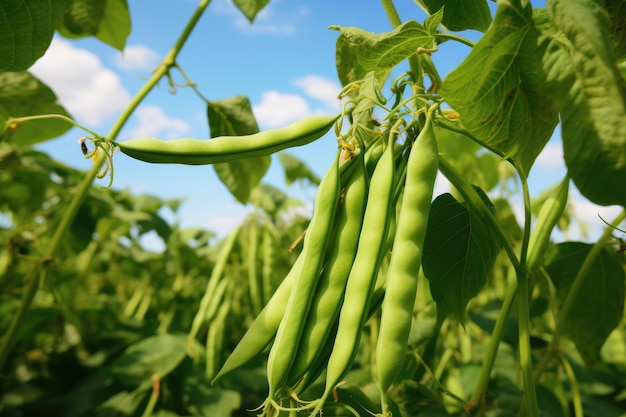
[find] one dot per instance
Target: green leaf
(460, 15)
(107, 20)
(268, 198)
(232, 117)
(459, 255)
(599, 304)
(296, 170)
(21, 94)
(500, 91)
(158, 355)
(359, 52)
(26, 30)
(250, 8)
(592, 99)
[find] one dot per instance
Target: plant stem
(39, 271)
(494, 344)
(523, 303)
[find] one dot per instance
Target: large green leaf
(359, 52)
(250, 8)
(107, 20)
(461, 15)
(500, 91)
(592, 96)
(231, 117)
(158, 355)
(26, 30)
(459, 254)
(21, 94)
(599, 304)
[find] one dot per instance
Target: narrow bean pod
(227, 148)
(316, 240)
(406, 259)
(363, 274)
(264, 327)
(329, 294)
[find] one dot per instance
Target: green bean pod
(190, 151)
(363, 274)
(406, 259)
(264, 327)
(330, 291)
(548, 217)
(316, 240)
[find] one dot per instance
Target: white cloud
(551, 156)
(91, 92)
(137, 57)
(278, 109)
(321, 89)
(152, 121)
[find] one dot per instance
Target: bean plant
(393, 299)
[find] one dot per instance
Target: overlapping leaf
(232, 117)
(359, 51)
(461, 15)
(500, 91)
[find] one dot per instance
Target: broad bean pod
(227, 148)
(406, 259)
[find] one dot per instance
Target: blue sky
(284, 63)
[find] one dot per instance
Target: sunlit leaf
(250, 8)
(21, 94)
(232, 117)
(592, 96)
(461, 15)
(26, 30)
(359, 51)
(500, 91)
(459, 254)
(599, 304)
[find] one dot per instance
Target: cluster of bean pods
(372, 203)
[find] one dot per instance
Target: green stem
(523, 302)
(453, 37)
(540, 238)
(494, 344)
(39, 271)
(20, 120)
